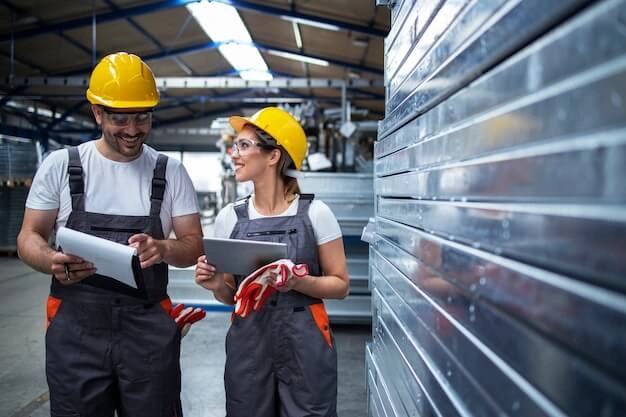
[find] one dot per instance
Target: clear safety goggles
(121, 119)
(245, 146)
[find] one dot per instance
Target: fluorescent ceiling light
(301, 58)
(272, 100)
(311, 23)
(255, 75)
(296, 34)
(224, 26)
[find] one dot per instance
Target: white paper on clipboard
(111, 259)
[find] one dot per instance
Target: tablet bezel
(241, 257)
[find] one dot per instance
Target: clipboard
(117, 265)
(241, 257)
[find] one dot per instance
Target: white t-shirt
(325, 225)
(118, 188)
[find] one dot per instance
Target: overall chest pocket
(275, 233)
(286, 235)
(116, 234)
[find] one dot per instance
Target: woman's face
(250, 159)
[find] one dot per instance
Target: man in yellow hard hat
(111, 347)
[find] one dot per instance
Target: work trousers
(281, 362)
(102, 358)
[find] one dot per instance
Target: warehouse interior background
(321, 60)
(473, 151)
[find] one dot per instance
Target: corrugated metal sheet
(12, 200)
(18, 160)
(18, 163)
(497, 267)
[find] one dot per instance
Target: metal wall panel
(441, 72)
(497, 263)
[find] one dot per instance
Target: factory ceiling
(325, 51)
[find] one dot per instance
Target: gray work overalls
(113, 347)
(280, 361)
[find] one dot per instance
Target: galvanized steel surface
(497, 264)
(432, 81)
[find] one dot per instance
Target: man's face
(124, 130)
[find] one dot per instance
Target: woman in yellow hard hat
(280, 349)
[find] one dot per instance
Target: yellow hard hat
(281, 126)
(122, 80)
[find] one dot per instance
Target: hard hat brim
(238, 123)
(121, 104)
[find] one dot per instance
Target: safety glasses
(245, 146)
(121, 119)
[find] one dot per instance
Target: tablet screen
(241, 257)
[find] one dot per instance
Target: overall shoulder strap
(158, 185)
(241, 208)
(304, 203)
(76, 180)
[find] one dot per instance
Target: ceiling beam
(152, 39)
(205, 46)
(198, 115)
(170, 4)
(40, 25)
(345, 64)
(68, 112)
(172, 102)
(290, 13)
(34, 134)
(208, 82)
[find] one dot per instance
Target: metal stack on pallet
(18, 163)
(497, 263)
(351, 199)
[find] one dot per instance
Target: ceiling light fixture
(300, 58)
(272, 100)
(296, 34)
(360, 42)
(222, 23)
(313, 23)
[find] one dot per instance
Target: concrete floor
(23, 389)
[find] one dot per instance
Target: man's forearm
(35, 251)
(182, 252)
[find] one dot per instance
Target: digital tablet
(241, 257)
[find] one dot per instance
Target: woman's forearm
(326, 286)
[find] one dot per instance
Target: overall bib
(113, 348)
(281, 361)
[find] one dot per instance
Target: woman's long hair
(285, 163)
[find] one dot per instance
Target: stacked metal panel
(498, 263)
(18, 163)
(351, 199)
(12, 200)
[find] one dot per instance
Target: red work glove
(254, 290)
(185, 317)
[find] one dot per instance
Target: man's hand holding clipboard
(110, 259)
(69, 269)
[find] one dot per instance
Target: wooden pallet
(11, 183)
(8, 251)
